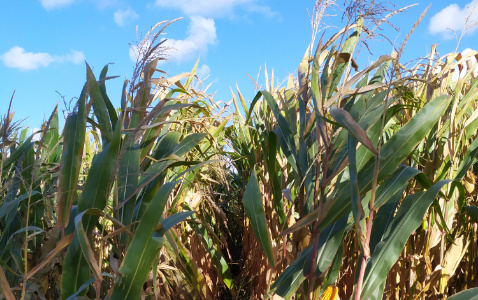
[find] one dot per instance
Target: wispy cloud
(100, 4)
(50, 4)
(201, 34)
(123, 16)
(18, 58)
(202, 28)
(452, 18)
(203, 71)
(212, 8)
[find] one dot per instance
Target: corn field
(358, 182)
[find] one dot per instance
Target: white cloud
(49, 4)
(75, 57)
(201, 34)
(203, 71)
(265, 10)
(122, 16)
(452, 18)
(18, 58)
(211, 8)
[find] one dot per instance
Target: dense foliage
(358, 179)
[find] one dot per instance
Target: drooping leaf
(393, 152)
(346, 120)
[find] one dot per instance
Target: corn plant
(344, 182)
(350, 155)
(109, 190)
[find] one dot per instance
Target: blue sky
(46, 42)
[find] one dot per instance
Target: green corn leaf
(188, 143)
(283, 132)
(472, 212)
(367, 116)
(109, 105)
(100, 177)
(143, 248)
(51, 138)
(10, 206)
(191, 75)
(17, 152)
(471, 294)
(329, 242)
(99, 106)
(408, 218)
(173, 220)
(28, 160)
(340, 65)
(190, 270)
(214, 134)
(356, 203)
(382, 219)
(11, 195)
(23, 135)
(166, 145)
(128, 178)
(394, 183)
(378, 293)
(334, 270)
(471, 157)
(275, 176)
(87, 284)
(73, 142)
(155, 173)
(252, 201)
(397, 148)
(88, 253)
(95, 194)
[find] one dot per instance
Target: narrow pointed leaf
(408, 218)
(73, 142)
(292, 277)
(99, 106)
(329, 242)
(393, 152)
(86, 247)
(143, 248)
(252, 201)
(283, 132)
(95, 194)
(109, 105)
